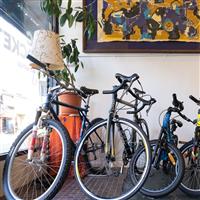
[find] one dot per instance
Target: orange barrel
(55, 151)
(71, 99)
(73, 125)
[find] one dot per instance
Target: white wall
(161, 75)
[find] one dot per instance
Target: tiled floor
(71, 191)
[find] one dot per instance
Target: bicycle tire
(157, 179)
(111, 176)
(94, 121)
(186, 151)
(48, 174)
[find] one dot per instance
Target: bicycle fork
(34, 138)
(109, 147)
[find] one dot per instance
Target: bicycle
(30, 170)
(109, 147)
(191, 153)
(137, 116)
(167, 165)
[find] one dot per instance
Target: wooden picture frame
(92, 46)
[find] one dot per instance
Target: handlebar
(52, 74)
(144, 103)
(178, 104)
(195, 100)
(136, 93)
(123, 80)
(177, 110)
(185, 118)
(36, 61)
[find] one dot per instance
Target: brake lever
(148, 109)
(194, 121)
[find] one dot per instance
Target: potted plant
(70, 54)
(70, 15)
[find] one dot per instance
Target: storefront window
(19, 85)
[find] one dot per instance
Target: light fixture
(46, 48)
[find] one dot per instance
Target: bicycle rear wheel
(163, 178)
(40, 177)
(114, 181)
(190, 183)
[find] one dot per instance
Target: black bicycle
(191, 154)
(110, 145)
(167, 165)
(35, 168)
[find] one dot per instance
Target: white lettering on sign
(10, 41)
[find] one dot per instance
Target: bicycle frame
(196, 139)
(113, 117)
(163, 139)
(47, 110)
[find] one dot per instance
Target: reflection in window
(19, 84)
(7, 125)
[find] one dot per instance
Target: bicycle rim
(37, 179)
(190, 183)
(111, 179)
(162, 179)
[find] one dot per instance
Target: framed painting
(145, 26)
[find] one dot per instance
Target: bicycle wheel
(37, 178)
(163, 178)
(114, 182)
(190, 183)
(94, 121)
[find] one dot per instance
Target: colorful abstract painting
(149, 20)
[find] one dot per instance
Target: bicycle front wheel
(164, 176)
(190, 183)
(110, 179)
(41, 176)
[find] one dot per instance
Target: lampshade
(46, 48)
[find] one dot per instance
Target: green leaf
(67, 50)
(76, 14)
(73, 43)
(82, 65)
(63, 19)
(78, 7)
(69, 11)
(59, 2)
(76, 68)
(69, 4)
(70, 20)
(80, 17)
(71, 59)
(73, 77)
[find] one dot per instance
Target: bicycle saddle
(122, 78)
(88, 91)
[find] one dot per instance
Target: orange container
(55, 148)
(71, 99)
(73, 125)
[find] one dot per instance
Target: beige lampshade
(46, 48)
